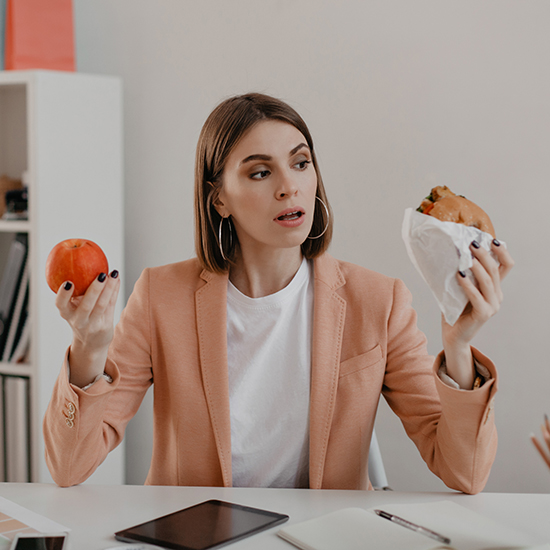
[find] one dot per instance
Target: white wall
(399, 95)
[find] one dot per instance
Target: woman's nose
(287, 187)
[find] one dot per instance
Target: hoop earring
(220, 236)
(328, 220)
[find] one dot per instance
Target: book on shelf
(2, 433)
(22, 339)
(16, 436)
(19, 315)
(11, 293)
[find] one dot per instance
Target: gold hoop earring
(328, 220)
(220, 236)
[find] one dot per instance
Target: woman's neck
(261, 274)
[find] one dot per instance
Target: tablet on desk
(205, 526)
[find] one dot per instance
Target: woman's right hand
(91, 318)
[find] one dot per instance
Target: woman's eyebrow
(255, 157)
(259, 156)
(297, 148)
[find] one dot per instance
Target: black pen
(413, 526)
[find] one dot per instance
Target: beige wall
(399, 95)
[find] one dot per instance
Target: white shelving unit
(65, 131)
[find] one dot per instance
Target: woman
(268, 356)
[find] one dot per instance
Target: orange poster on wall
(39, 35)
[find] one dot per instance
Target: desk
(95, 512)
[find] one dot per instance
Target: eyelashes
(262, 174)
(305, 162)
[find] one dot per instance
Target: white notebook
(357, 529)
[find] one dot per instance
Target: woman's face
(268, 187)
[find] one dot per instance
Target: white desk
(95, 512)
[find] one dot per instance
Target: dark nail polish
(68, 285)
(114, 274)
(496, 242)
(462, 274)
(101, 277)
(475, 244)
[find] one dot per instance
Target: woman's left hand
(484, 301)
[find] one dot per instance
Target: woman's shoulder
(348, 273)
(189, 267)
(186, 273)
(357, 283)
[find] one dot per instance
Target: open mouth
(291, 216)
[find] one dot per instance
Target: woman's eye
(259, 175)
(302, 165)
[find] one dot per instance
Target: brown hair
(221, 132)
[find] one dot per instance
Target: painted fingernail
(68, 285)
(462, 274)
(101, 277)
(496, 242)
(114, 274)
(475, 244)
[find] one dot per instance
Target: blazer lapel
(210, 303)
(329, 311)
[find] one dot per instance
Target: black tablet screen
(41, 542)
(207, 525)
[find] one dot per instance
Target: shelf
(15, 226)
(17, 369)
(64, 130)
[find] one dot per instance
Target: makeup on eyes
(256, 170)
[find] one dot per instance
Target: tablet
(210, 524)
(39, 541)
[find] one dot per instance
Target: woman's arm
(91, 318)
(484, 302)
(454, 430)
(82, 427)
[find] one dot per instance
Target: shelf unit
(65, 130)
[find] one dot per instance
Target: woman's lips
(291, 217)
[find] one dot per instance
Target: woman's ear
(218, 204)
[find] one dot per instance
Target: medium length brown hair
(221, 132)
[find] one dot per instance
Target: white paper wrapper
(439, 250)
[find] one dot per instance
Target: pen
(540, 449)
(413, 526)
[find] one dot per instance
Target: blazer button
(69, 422)
(70, 407)
(489, 410)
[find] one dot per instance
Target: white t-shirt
(269, 358)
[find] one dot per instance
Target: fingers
(106, 300)
(487, 296)
(540, 449)
(99, 299)
(482, 308)
(546, 437)
(92, 294)
(488, 280)
(63, 299)
(504, 257)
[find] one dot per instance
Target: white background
(400, 95)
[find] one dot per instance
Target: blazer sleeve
(453, 429)
(81, 427)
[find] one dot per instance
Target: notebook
(357, 529)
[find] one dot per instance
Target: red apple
(77, 260)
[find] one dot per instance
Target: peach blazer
(365, 342)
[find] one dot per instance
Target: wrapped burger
(438, 236)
